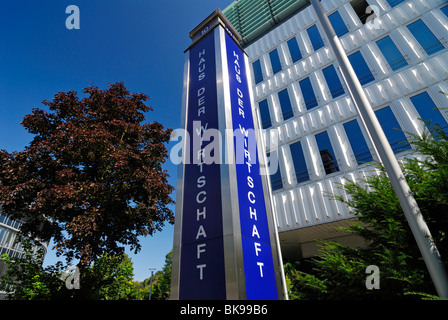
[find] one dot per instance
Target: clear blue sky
(139, 42)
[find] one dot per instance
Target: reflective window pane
(326, 153)
(425, 37)
(392, 130)
(285, 104)
(298, 160)
(357, 142)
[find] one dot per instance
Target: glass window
(394, 3)
(294, 50)
(276, 177)
(338, 24)
(444, 10)
(264, 114)
(326, 153)
(308, 93)
(361, 68)
(428, 111)
(275, 61)
(425, 37)
(357, 141)
(285, 104)
(258, 74)
(391, 53)
(363, 10)
(392, 130)
(316, 39)
(2, 233)
(333, 82)
(298, 160)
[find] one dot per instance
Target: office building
(9, 243)
(398, 50)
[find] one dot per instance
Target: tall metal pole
(411, 210)
(150, 283)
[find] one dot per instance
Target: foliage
(161, 283)
(109, 278)
(339, 271)
(25, 278)
(92, 177)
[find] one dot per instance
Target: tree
(339, 271)
(92, 176)
(161, 283)
(108, 278)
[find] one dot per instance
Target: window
(326, 153)
(258, 74)
(444, 10)
(391, 53)
(298, 160)
(316, 39)
(333, 82)
(264, 114)
(294, 50)
(363, 10)
(276, 177)
(275, 61)
(285, 104)
(425, 37)
(392, 130)
(428, 111)
(338, 24)
(308, 93)
(357, 141)
(361, 68)
(394, 3)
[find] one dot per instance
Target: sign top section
(216, 18)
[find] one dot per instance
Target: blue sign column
(223, 246)
(260, 277)
(202, 274)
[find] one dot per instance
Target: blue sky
(139, 42)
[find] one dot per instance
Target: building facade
(10, 244)
(398, 50)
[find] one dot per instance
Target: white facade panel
(305, 204)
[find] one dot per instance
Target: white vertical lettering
(250, 181)
(251, 198)
(201, 181)
(200, 249)
(201, 272)
(204, 198)
(255, 231)
(253, 213)
(257, 248)
(202, 214)
(201, 91)
(261, 264)
(201, 232)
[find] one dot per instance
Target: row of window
(424, 106)
(362, 70)
(309, 97)
(392, 54)
(8, 239)
(9, 222)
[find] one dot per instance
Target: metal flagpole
(411, 210)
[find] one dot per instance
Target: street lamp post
(150, 283)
